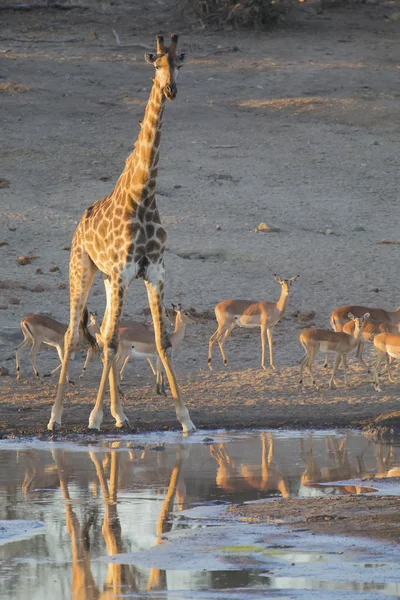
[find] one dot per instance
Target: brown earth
(297, 127)
(363, 516)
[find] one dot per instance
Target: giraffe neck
(138, 179)
(282, 302)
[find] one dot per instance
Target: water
(144, 517)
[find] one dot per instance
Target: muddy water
(144, 517)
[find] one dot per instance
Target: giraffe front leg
(155, 291)
(110, 335)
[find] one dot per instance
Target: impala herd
(352, 328)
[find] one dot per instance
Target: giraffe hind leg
(82, 272)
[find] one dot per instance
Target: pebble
(54, 269)
(4, 371)
(14, 300)
(218, 227)
(25, 260)
(267, 228)
(38, 288)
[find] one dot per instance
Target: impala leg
(325, 361)
(152, 366)
(359, 356)
(155, 291)
(303, 360)
(335, 368)
(271, 358)
(388, 361)
(216, 335)
(32, 356)
(376, 370)
(221, 342)
(116, 291)
(22, 345)
(89, 356)
(344, 363)
(159, 373)
(309, 364)
(82, 272)
(125, 362)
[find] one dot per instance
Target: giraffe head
(166, 63)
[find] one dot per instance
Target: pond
(144, 516)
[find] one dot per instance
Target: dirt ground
(362, 516)
(297, 127)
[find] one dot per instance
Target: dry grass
(13, 88)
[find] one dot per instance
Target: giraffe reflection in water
(120, 578)
(269, 478)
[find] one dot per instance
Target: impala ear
(277, 278)
(366, 316)
(293, 278)
(173, 306)
(351, 316)
(179, 306)
(149, 57)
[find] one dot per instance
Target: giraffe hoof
(123, 425)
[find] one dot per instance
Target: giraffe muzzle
(170, 91)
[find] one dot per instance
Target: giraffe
(121, 236)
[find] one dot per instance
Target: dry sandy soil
(363, 516)
(297, 127)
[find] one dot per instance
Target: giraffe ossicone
(122, 237)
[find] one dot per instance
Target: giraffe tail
(86, 333)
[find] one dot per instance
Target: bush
(232, 13)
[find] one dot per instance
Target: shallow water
(144, 517)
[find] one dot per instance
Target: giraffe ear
(149, 57)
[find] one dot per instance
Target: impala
(386, 344)
(245, 313)
(42, 329)
(339, 317)
(141, 344)
(340, 343)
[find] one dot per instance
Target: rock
(14, 300)
(67, 248)
(26, 260)
(38, 288)
(328, 231)
(102, 178)
(218, 227)
(4, 183)
(39, 271)
(395, 16)
(303, 316)
(3, 244)
(358, 228)
(62, 286)
(54, 269)
(266, 228)
(177, 187)
(3, 307)
(12, 227)
(4, 372)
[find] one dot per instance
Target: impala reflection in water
(127, 519)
